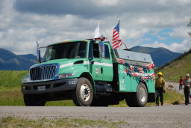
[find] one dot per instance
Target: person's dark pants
(180, 87)
(186, 94)
(159, 94)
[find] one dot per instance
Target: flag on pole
(116, 41)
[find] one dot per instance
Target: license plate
(41, 88)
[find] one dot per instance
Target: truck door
(96, 65)
(107, 64)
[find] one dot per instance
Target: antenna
(125, 46)
(38, 52)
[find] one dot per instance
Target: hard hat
(188, 75)
(160, 73)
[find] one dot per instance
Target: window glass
(107, 55)
(66, 50)
(96, 53)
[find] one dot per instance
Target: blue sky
(161, 23)
(162, 36)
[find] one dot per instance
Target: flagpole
(125, 46)
(121, 41)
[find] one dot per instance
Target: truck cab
(89, 72)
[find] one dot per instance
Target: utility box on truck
(91, 73)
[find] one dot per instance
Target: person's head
(160, 74)
(187, 76)
(180, 77)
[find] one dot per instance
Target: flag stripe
(116, 42)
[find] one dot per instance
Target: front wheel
(33, 100)
(84, 92)
(138, 99)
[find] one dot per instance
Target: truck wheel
(84, 93)
(32, 100)
(130, 100)
(138, 99)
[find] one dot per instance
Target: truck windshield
(66, 51)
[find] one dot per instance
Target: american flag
(116, 42)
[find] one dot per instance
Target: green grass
(10, 93)
(12, 122)
(172, 97)
(11, 79)
(177, 68)
(14, 97)
(11, 97)
(60, 103)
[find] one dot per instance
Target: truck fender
(89, 77)
(142, 81)
(151, 96)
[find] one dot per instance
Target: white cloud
(106, 3)
(21, 27)
(176, 47)
(180, 32)
(6, 13)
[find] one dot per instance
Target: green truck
(91, 73)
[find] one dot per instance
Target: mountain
(160, 56)
(11, 61)
(178, 67)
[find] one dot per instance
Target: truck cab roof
(67, 41)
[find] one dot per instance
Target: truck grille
(43, 72)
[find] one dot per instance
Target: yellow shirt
(160, 82)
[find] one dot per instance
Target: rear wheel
(138, 99)
(84, 92)
(33, 100)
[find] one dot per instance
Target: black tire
(130, 99)
(34, 100)
(138, 99)
(84, 92)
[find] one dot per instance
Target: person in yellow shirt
(159, 88)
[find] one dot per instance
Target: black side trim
(79, 62)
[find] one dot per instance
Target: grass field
(11, 79)
(12, 122)
(10, 90)
(10, 93)
(177, 68)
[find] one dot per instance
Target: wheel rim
(85, 92)
(142, 94)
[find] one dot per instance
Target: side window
(82, 50)
(107, 55)
(96, 53)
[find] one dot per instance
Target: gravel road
(177, 116)
(169, 116)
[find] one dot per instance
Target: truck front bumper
(49, 86)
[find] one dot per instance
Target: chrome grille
(43, 72)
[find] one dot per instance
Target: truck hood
(63, 62)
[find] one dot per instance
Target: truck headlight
(26, 78)
(65, 75)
